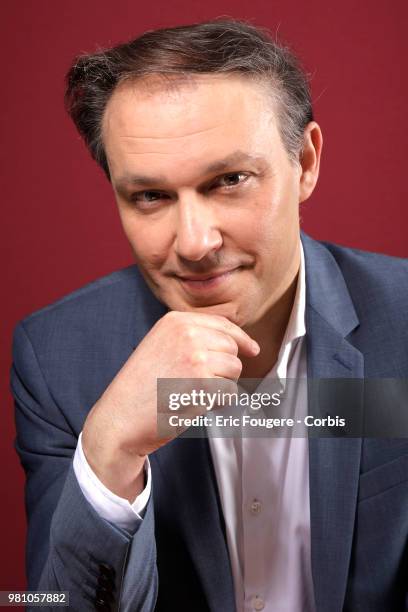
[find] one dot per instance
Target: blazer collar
(326, 289)
(334, 463)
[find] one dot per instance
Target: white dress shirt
(264, 490)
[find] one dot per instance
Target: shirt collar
(296, 327)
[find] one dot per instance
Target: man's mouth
(204, 282)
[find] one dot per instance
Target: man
(207, 135)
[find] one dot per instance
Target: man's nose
(197, 231)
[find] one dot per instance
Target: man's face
(207, 195)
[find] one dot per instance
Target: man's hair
(222, 46)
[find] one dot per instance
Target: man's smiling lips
(205, 282)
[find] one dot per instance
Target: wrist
(121, 472)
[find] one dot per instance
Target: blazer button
(106, 570)
(102, 605)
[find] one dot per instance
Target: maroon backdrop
(59, 226)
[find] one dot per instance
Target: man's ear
(309, 160)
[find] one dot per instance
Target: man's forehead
(200, 132)
(186, 107)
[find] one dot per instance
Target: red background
(59, 225)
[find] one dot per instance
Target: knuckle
(189, 333)
(198, 358)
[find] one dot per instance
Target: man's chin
(228, 310)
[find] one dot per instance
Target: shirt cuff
(109, 506)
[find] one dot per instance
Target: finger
(224, 365)
(246, 345)
(220, 341)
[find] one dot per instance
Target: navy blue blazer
(66, 354)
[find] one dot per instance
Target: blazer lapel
(199, 516)
(334, 462)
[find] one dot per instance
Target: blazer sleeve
(69, 546)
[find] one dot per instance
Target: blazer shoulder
(367, 258)
(90, 292)
(117, 303)
(372, 274)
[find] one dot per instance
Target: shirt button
(255, 508)
(258, 603)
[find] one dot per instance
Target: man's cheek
(146, 253)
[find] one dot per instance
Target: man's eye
(147, 196)
(231, 180)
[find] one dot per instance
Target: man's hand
(121, 428)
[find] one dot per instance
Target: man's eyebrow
(220, 165)
(138, 180)
(237, 157)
